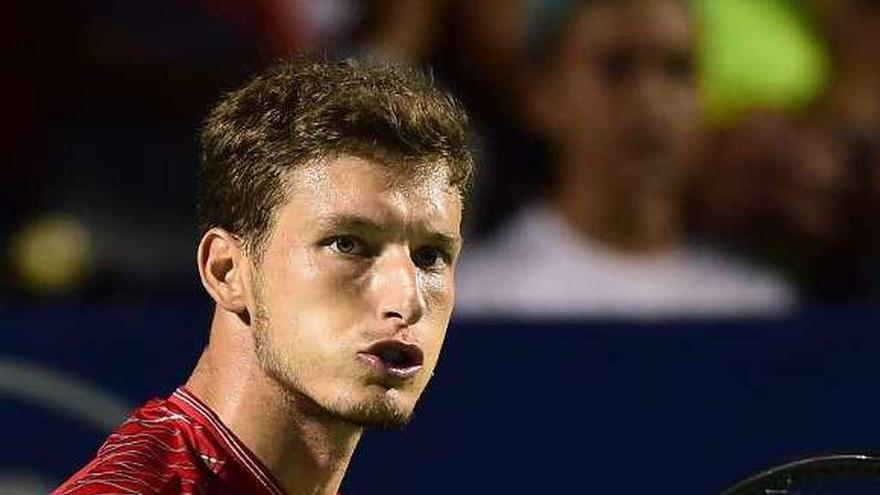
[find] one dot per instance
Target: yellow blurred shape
(763, 54)
(52, 254)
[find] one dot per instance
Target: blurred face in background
(618, 97)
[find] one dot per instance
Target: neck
(306, 449)
(631, 218)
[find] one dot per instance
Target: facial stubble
(383, 412)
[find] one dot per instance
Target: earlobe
(221, 261)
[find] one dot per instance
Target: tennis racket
(837, 474)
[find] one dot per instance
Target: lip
(414, 358)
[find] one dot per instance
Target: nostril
(393, 314)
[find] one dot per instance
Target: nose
(397, 288)
(650, 99)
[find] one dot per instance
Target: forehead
(348, 185)
(650, 24)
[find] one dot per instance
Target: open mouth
(395, 357)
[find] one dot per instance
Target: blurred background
(676, 206)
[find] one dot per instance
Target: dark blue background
(515, 408)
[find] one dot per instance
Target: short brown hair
(310, 109)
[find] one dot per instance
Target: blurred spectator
(772, 189)
(614, 94)
(484, 58)
(804, 192)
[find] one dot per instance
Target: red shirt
(173, 446)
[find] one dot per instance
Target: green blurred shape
(759, 54)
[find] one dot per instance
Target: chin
(389, 411)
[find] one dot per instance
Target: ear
(223, 269)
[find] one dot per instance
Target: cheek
(312, 277)
(586, 99)
(588, 127)
(687, 111)
(439, 298)
(439, 292)
(305, 296)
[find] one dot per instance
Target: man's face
(621, 94)
(355, 287)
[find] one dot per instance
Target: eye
(347, 245)
(680, 66)
(430, 258)
(617, 67)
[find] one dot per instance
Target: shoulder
(521, 241)
(522, 268)
(741, 283)
(150, 453)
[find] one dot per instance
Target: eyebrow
(359, 223)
